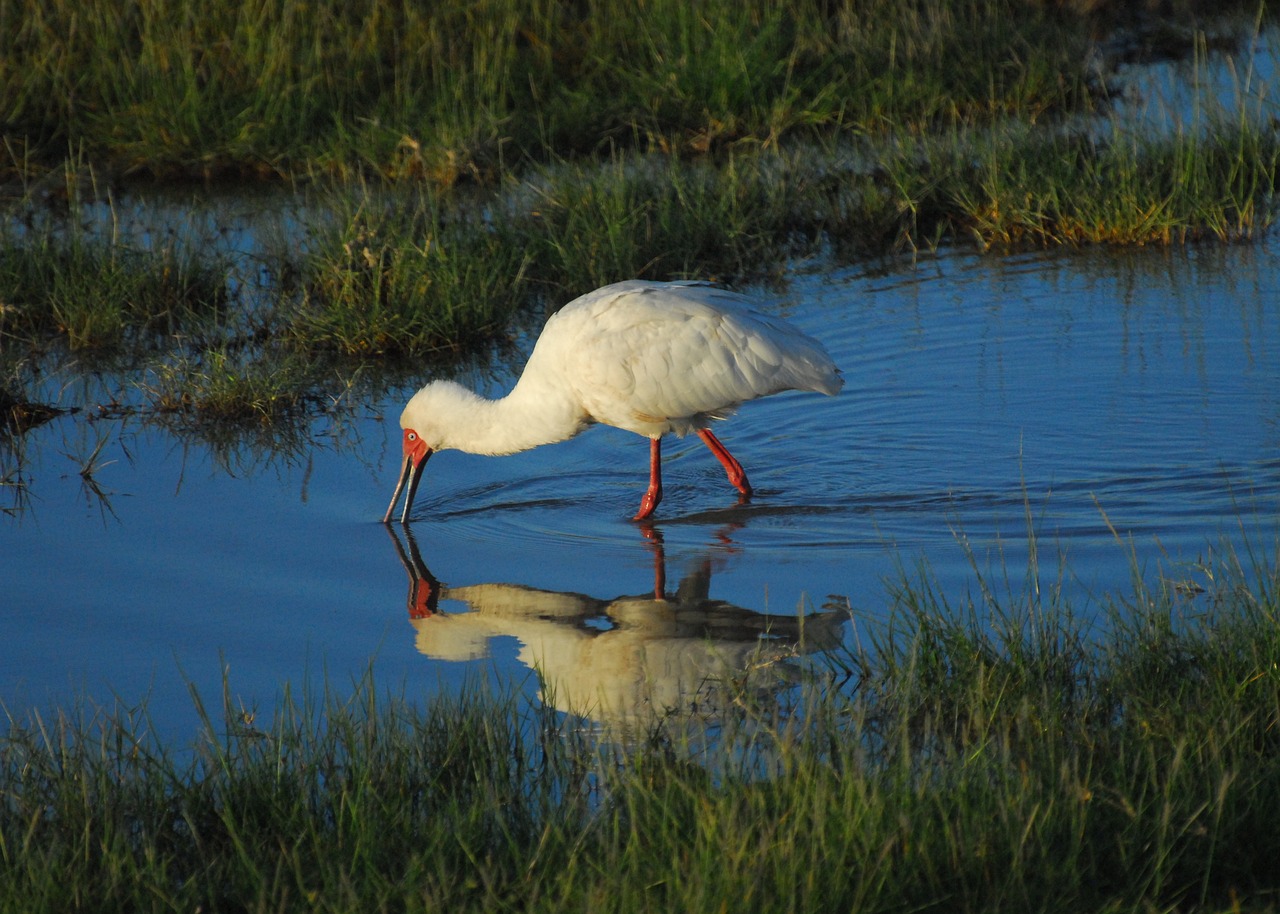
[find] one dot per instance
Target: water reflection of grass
(1000, 756)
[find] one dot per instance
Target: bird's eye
(413, 436)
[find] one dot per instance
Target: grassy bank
(456, 91)
(997, 757)
(463, 91)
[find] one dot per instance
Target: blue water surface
(1105, 412)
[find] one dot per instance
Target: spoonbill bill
(648, 357)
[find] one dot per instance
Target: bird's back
(656, 357)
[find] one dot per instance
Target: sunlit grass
(218, 386)
(656, 217)
(457, 90)
(998, 754)
(1218, 183)
(64, 284)
(402, 275)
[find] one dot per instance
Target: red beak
(416, 455)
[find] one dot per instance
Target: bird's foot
(649, 503)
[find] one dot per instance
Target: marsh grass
(397, 275)
(454, 91)
(62, 284)
(657, 217)
(411, 273)
(997, 753)
(220, 386)
(1215, 180)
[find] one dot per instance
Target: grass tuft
(219, 387)
(403, 277)
(88, 292)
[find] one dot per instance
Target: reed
(995, 754)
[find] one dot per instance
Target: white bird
(649, 357)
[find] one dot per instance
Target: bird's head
(416, 454)
(425, 423)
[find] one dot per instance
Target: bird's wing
(653, 357)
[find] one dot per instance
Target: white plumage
(649, 357)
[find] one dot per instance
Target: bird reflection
(629, 660)
(424, 589)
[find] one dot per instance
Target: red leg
(654, 493)
(732, 468)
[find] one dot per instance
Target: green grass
(94, 293)
(655, 217)
(995, 755)
(217, 386)
(1215, 181)
(401, 275)
(460, 90)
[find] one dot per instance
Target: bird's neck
(531, 415)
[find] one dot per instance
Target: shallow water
(1122, 407)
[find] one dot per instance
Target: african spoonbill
(648, 357)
